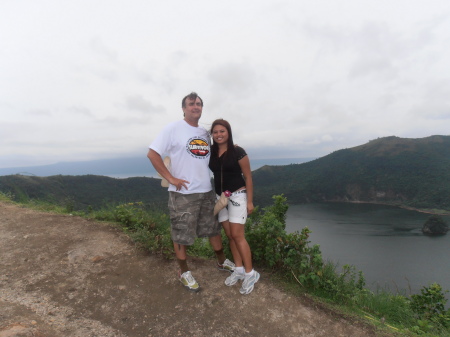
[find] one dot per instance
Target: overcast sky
(85, 79)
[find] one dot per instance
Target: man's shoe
(227, 265)
(233, 278)
(189, 281)
(249, 283)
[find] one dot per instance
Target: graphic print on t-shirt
(198, 147)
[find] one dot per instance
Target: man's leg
(185, 275)
(180, 253)
(209, 226)
(216, 243)
(181, 208)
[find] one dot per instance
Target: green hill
(80, 192)
(398, 171)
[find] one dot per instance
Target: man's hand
(161, 168)
(178, 183)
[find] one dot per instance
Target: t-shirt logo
(198, 147)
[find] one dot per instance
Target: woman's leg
(238, 235)
(234, 250)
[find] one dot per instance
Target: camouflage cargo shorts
(191, 216)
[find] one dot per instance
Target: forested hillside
(398, 171)
(82, 192)
(409, 172)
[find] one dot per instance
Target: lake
(384, 242)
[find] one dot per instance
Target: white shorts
(236, 210)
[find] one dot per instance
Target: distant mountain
(120, 167)
(117, 167)
(393, 170)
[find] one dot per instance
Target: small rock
(97, 258)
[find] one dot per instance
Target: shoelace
(189, 278)
(248, 280)
(229, 263)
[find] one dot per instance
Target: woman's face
(220, 134)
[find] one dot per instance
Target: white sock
(239, 270)
(250, 274)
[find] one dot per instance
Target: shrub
(304, 262)
(429, 305)
(133, 216)
(157, 240)
(343, 287)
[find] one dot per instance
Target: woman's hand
(250, 207)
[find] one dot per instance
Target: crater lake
(386, 243)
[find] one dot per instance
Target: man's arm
(158, 164)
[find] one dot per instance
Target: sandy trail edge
(68, 276)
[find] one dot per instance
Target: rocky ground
(62, 275)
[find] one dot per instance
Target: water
(148, 171)
(384, 242)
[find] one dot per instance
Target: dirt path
(67, 276)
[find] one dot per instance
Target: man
(191, 198)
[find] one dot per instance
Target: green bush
(342, 287)
(394, 308)
(265, 235)
(157, 240)
(6, 196)
(292, 255)
(133, 216)
(429, 305)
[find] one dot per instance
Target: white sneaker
(233, 278)
(189, 281)
(227, 265)
(249, 283)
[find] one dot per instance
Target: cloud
(81, 111)
(39, 112)
(234, 80)
(434, 101)
(99, 48)
(84, 80)
(138, 103)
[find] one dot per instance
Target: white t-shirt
(189, 151)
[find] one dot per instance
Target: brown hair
(192, 96)
(230, 143)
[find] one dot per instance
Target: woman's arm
(244, 163)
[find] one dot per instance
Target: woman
(231, 168)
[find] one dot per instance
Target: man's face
(193, 109)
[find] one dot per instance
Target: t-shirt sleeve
(161, 143)
(240, 152)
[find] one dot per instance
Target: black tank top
(227, 171)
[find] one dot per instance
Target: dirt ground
(62, 275)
